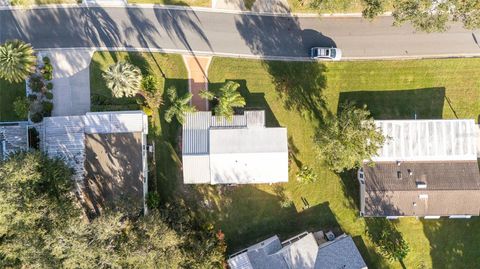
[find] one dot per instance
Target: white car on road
(325, 53)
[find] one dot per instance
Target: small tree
(123, 79)
(387, 238)
(151, 94)
(350, 138)
(17, 60)
(178, 105)
(227, 96)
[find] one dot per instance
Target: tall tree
(179, 105)
(123, 79)
(152, 96)
(35, 199)
(348, 139)
(227, 97)
(17, 60)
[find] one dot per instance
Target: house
(304, 251)
(426, 168)
(13, 137)
(240, 151)
(107, 151)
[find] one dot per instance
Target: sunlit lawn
(391, 89)
(9, 92)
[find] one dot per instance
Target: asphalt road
(211, 32)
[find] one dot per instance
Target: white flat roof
(428, 140)
(241, 151)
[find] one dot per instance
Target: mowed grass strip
(297, 95)
(9, 92)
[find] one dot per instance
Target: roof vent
(410, 172)
(399, 175)
(399, 162)
(421, 185)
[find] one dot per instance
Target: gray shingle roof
(303, 253)
(425, 189)
(341, 253)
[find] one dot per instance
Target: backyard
(9, 92)
(297, 96)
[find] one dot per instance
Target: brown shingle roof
(452, 188)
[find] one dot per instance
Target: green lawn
(9, 92)
(169, 70)
(194, 3)
(297, 95)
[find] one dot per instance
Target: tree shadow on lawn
(167, 152)
(300, 86)
(424, 103)
(248, 214)
(453, 242)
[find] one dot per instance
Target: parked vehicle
(325, 53)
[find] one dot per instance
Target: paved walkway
(71, 81)
(198, 79)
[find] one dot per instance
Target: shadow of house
(255, 101)
(453, 243)
(425, 103)
(252, 215)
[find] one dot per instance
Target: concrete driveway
(71, 80)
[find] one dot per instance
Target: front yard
(9, 92)
(247, 214)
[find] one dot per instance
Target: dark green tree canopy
(348, 139)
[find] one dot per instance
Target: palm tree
(123, 79)
(178, 106)
(227, 96)
(17, 60)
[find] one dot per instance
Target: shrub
(36, 83)
(153, 200)
(49, 95)
(46, 60)
(21, 107)
(36, 118)
(50, 86)
(47, 108)
(148, 111)
(306, 175)
(32, 97)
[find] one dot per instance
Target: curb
(186, 8)
(263, 57)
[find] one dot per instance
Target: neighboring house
(427, 168)
(241, 151)
(107, 151)
(13, 137)
(304, 251)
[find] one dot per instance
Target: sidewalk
(198, 79)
